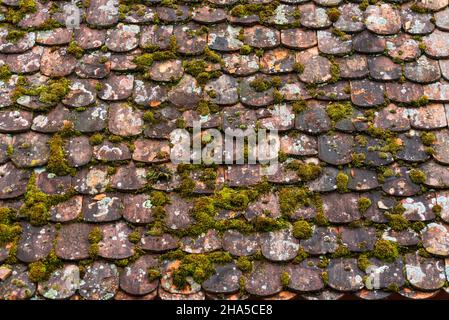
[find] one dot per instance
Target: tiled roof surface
(359, 205)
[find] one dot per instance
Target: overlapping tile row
(93, 208)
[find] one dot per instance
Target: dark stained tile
(344, 275)
(224, 281)
(100, 282)
(424, 273)
(30, 149)
(400, 183)
(323, 240)
(102, 208)
(134, 279)
(161, 243)
(279, 245)
(423, 70)
(115, 243)
(306, 276)
(18, 285)
(62, 283)
(13, 181)
(264, 280)
(366, 93)
(335, 149)
(341, 208)
(35, 242)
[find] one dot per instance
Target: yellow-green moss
(306, 171)
(342, 180)
(15, 35)
(285, 279)
(134, 236)
(363, 262)
(37, 271)
(244, 264)
(95, 235)
(428, 138)
(363, 204)
(299, 106)
(148, 116)
(341, 251)
(300, 256)
(57, 163)
(339, 111)
(298, 67)
(75, 50)
(153, 274)
(385, 250)
(397, 222)
(246, 49)
(292, 198)
(96, 139)
(199, 267)
(302, 229)
(16, 14)
(5, 73)
(417, 176)
(260, 84)
(333, 14)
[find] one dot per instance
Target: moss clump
(96, 139)
(421, 102)
(15, 35)
(415, 7)
(16, 14)
(134, 236)
(428, 138)
(299, 106)
(9, 233)
(292, 198)
(437, 209)
(300, 256)
(363, 204)
(341, 251)
(363, 262)
(397, 222)
(37, 271)
(302, 229)
(244, 264)
(339, 111)
(75, 50)
(148, 116)
(417, 176)
(159, 198)
(200, 70)
(298, 67)
(342, 182)
(333, 14)
(54, 91)
(260, 84)
(417, 226)
(306, 171)
(265, 224)
(325, 277)
(153, 274)
(230, 199)
(57, 163)
(385, 250)
(263, 10)
(5, 73)
(393, 287)
(246, 49)
(285, 279)
(95, 235)
(321, 219)
(199, 267)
